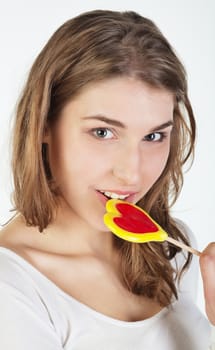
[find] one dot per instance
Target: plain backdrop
(189, 25)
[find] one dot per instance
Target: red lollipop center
(133, 219)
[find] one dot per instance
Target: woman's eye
(155, 137)
(102, 133)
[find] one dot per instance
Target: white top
(35, 314)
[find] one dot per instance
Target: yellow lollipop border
(159, 236)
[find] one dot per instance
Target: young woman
(104, 114)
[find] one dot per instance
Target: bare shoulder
(16, 235)
(30, 244)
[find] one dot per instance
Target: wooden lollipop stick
(183, 246)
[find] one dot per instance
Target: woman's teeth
(114, 195)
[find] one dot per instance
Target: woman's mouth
(114, 195)
(106, 195)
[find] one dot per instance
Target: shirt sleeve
(25, 320)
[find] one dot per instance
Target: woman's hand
(207, 266)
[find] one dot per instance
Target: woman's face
(112, 140)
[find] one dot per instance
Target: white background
(25, 26)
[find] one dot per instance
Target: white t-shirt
(35, 314)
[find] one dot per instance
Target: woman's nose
(127, 167)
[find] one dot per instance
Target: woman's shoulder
(21, 282)
(14, 276)
(13, 234)
(17, 283)
(21, 239)
(27, 302)
(16, 267)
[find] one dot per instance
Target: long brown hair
(94, 46)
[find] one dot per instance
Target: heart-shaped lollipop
(130, 222)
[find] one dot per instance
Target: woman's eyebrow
(107, 120)
(121, 125)
(162, 126)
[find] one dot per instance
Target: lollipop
(133, 224)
